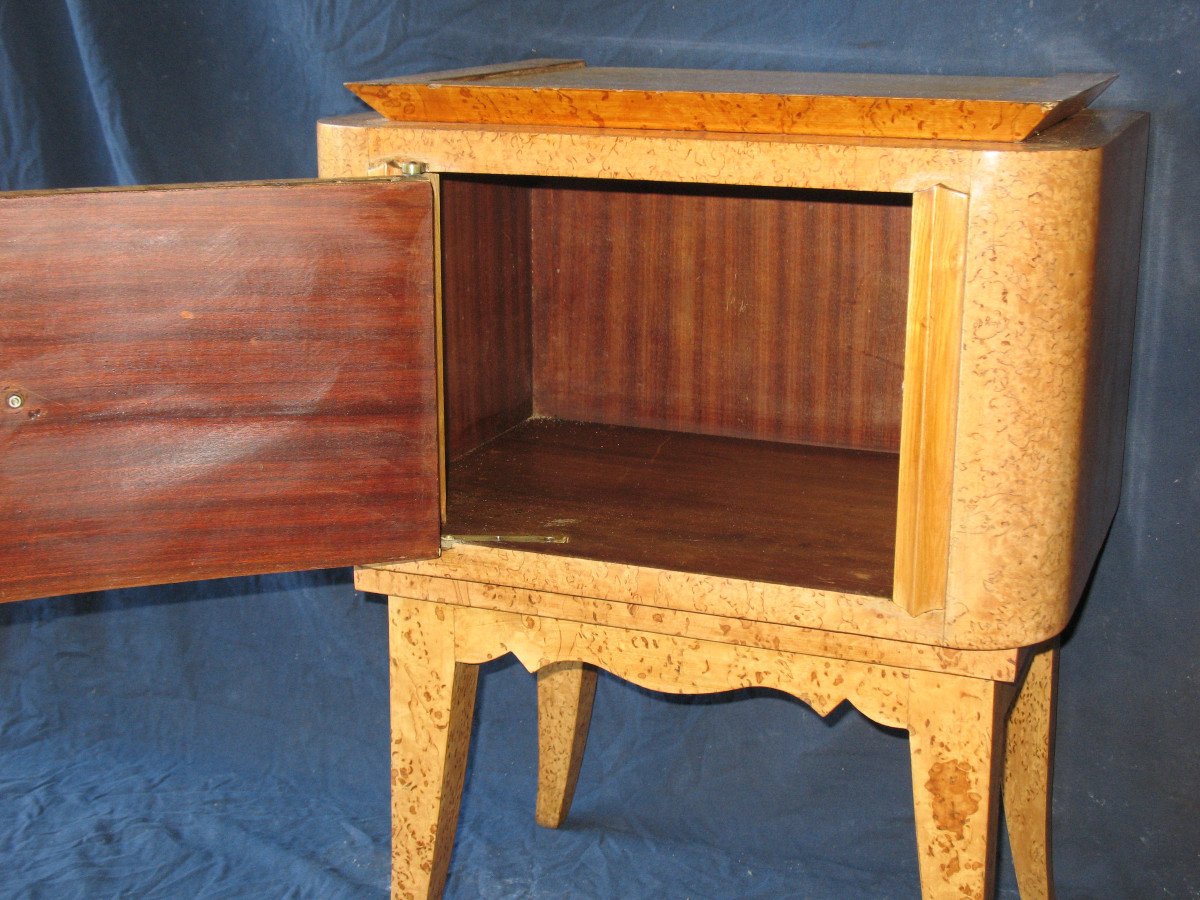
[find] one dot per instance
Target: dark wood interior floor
(810, 516)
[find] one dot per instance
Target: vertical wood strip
(932, 350)
(435, 182)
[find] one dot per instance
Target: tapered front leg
(1028, 771)
(956, 745)
(565, 694)
(432, 701)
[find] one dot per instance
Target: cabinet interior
(695, 377)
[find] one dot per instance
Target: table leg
(1028, 771)
(432, 701)
(565, 694)
(956, 744)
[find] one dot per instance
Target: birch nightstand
(706, 379)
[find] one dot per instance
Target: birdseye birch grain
(996, 281)
(564, 93)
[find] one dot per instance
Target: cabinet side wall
(486, 309)
(341, 150)
(1027, 320)
(1110, 356)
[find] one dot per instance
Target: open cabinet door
(213, 380)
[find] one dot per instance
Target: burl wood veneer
(565, 92)
(674, 325)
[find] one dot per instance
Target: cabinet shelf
(761, 510)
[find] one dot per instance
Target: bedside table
(707, 379)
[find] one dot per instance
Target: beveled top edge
(557, 93)
(1089, 129)
(851, 85)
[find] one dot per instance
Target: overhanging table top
(568, 93)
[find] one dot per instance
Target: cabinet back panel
(485, 308)
(747, 312)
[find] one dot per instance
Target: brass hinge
(449, 540)
(390, 168)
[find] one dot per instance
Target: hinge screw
(15, 401)
(412, 168)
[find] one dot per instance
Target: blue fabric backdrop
(228, 739)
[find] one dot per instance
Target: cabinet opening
(696, 377)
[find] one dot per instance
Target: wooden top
(552, 92)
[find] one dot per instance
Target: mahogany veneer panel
(558, 92)
(748, 312)
(216, 381)
(786, 513)
(486, 311)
